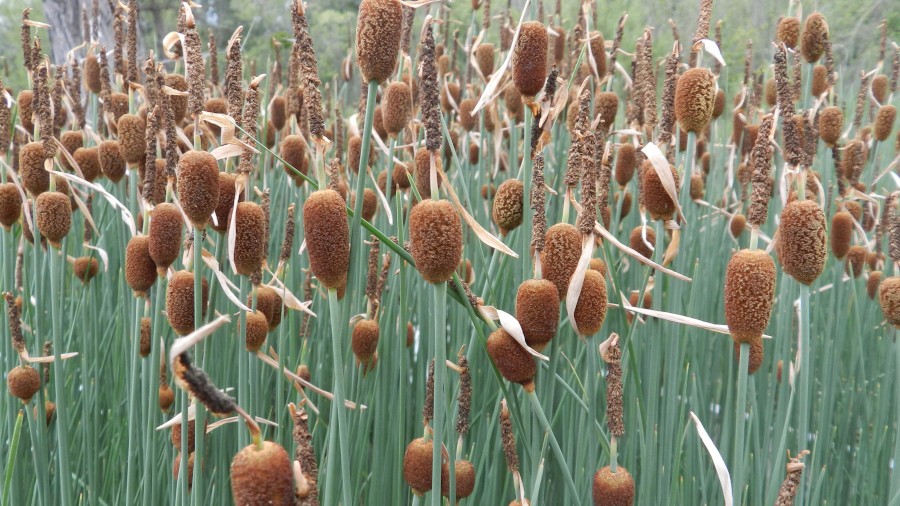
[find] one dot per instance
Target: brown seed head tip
(466, 119)
(144, 347)
(607, 106)
(841, 233)
(226, 201)
(86, 268)
(529, 60)
(465, 479)
(23, 382)
(598, 265)
(537, 309)
(889, 298)
(856, 260)
(658, 203)
(801, 244)
(131, 129)
(417, 465)
(873, 283)
(756, 355)
(378, 30)
(880, 87)
(884, 122)
(513, 362)
(327, 237)
(698, 187)
(636, 240)
(54, 216)
(270, 303)
(140, 270)
(257, 329)
(484, 57)
(819, 80)
(364, 340)
(34, 177)
(448, 91)
(613, 489)
(293, 152)
(749, 293)
(815, 35)
(562, 249)
(788, 31)
(738, 224)
(695, 98)
(88, 159)
(165, 235)
(166, 397)
(590, 311)
(435, 231)
(10, 204)
(423, 172)
(250, 237)
(399, 175)
(198, 186)
(180, 301)
(396, 107)
(507, 208)
(112, 164)
(831, 122)
(262, 475)
(626, 160)
(719, 105)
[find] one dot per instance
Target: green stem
(357, 266)
(440, 351)
(805, 367)
(557, 451)
(11, 460)
(340, 423)
(196, 485)
(739, 423)
(57, 268)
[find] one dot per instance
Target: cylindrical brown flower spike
(140, 270)
(309, 66)
(508, 439)
(695, 97)
(10, 205)
(234, 91)
(198, 186)
(378, 30)
(429, 98)
(538, 203)
(762, 185)
(841, 234)
(749, 294)
(801, 244)
(417, 462)
(529, 60)
(396, 107)
(180, 301)
(53, 212)
(815, 34)
(560, 258)
(195, 68)
(327, 237)
(436, 239)
(614, 412)
(507, 209)
(249, 240)
(514, 363)
(262, 474)
(884, 122)
(791, 483)
(613, 488)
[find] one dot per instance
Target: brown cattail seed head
(815, 35)
(198, 186)
(695, 97)
(423, 172)
(144, 346)
(636, 240)
(801, 243)
(327, 237)
(698, 187)
(889, 298)
(529, 60)
(856, 259)
(34, 177)
(831, 121)
(590, 310)
(250, 237)
(112, 164)
(257, 328)
(23, 382)
(756, 355)
(262, 475)
(607, 105)
(178, 102)
(131, 137)
(417, 463)
(771, 97)
(537, 309)
(625, 163)
(378, 30)
(788, 32)
(841, 234)
(738, 224)
(166, 397)
(655, 198)
(140, 270)
(884, 122)
(10, 204)
(364, 340)
(293, 152)
(88, 160)
(86, 268)
(54, 216)
(92, 79)
(466, 119)
(435, 231)
(613, 489)
(598, 50)
(507, 208)
(465, 479)
(873, 283)
(71, 140)
(484, 56)
(719, 105)
(513, 362)
(270, 303)
(450, 91)
(562, 248)
(396, 107)
(226, 201)
(749, 293)
(355, 153)
(819, 80)
(880, 87)
(180, 301)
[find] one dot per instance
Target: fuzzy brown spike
(702, 28)
(133, 28)
(538, 203)
(194, 381)
(667, 124)
(791, 483)
(895, 69)
(15, 323)
(464, 400)
(589, 175)
(305, 454)
(406, 30)
(508, 439)
(617, 43)
(614, 412)
(88, 231)
(309, 70)
(73, 85)
(171, 147)
(893, 231)
(196, 72)
(576, 150)
(792, 136)
(748, 63)
(119, 40)
(648, 80)
(430, 101)
(26, 40)
(428, 407)
(6, 124)
(42, 108)
(486, 15)
(56, 97)
(372, 274)
(251, 111)
(153, 120)
(861, 99)
(234, 92)
(36, 56)
(213, 58)
(762, 162)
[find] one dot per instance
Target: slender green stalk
(11, 458)
(338, 423)
(439, 291)
(355, 276)
(196, 485)
(740, 423)
(57, 268)
(554, 444)
(804, 388)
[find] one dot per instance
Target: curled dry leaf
(718, 461)
(511, 326)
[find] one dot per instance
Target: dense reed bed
(496, 260)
